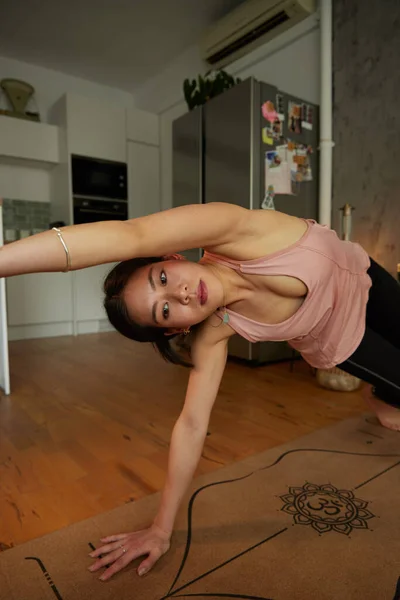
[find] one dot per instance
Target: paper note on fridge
(277, 173)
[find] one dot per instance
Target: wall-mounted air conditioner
(249, 25)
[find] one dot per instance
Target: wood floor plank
(88, 424)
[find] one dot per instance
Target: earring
(186, 331)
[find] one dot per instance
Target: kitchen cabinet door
(96, 129)
(143, 179)
(4, 359)
(39, 298)
(88, 294)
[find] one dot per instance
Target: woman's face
(173, 293)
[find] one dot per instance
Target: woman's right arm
(166, 232)
(88, 245)
(186, 447)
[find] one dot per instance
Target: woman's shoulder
(210, 342)
(263, 232)
(212, 331)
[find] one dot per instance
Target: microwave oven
(95, 178)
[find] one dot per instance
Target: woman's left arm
(174, 230)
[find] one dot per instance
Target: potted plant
(198, 92)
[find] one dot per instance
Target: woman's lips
(202, 292)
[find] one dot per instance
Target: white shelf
(30, 141)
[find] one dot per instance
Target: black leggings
(377, 358)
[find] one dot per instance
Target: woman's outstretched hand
(119, 550)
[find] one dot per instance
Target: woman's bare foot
(388, 415)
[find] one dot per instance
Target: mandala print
(326, 508)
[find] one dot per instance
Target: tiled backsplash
(22, 218)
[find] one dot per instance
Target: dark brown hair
(117, 312)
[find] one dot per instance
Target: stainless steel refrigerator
(220, 153)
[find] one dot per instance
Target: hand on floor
(119, 550)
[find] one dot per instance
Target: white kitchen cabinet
(96, 128)
(88, 294)
(39, 305)
(143, 179)
(29, 142)
(52, 304)
(4, 359)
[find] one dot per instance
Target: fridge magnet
(266, 136)
(268, 111)
(300, 166)
(274, 130)
(294, 113)
(268, 202)
(277, 173)
(273, 159)
(280, 107)
(276, 127)
(307, 116)
(298, 157)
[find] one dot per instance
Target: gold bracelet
(58, 232)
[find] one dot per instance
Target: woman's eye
(163, 278)
(165, 311)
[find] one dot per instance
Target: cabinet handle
(100, 212)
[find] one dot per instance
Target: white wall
(290, 62)
(51, 85)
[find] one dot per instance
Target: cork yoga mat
(315, 519)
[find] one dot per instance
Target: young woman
(265, 275)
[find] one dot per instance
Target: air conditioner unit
(249, 25)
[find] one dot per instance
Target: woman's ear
(172, 332)
(174, 257)
(175, 331)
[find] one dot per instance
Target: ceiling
(121, 43)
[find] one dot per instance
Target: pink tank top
(330, 323)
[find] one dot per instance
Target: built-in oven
(90, 210)
(99, 190)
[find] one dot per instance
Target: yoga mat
(314, 519)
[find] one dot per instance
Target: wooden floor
(88, 424)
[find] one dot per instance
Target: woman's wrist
(166, 533)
